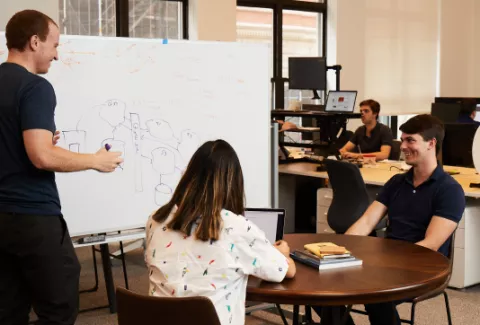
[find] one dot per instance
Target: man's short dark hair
(427, 126)
(468, 106)
(25, 24)
(373, 104)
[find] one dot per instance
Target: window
(296, 27)
(155, 19)
(146, 18)
(87, 17)
(301, 37)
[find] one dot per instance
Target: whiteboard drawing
(143, 143)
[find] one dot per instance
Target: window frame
(122, 17)
(278, 6)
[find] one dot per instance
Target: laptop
(340, 101)
(270, 221)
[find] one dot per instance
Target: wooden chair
(135, 309)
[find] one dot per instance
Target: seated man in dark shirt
(424, 205)
(373, 137)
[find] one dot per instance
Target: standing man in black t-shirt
(39, 267)
(372, 137)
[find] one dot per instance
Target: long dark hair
(213, 181)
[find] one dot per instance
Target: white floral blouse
(182, 266)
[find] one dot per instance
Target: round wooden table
(392, 270)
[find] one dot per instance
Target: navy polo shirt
(411, 209)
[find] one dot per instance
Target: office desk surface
(392, 270)
(380, 173)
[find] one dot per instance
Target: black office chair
(350, 200)
(350, 196)
(395, 150)
(432, 294)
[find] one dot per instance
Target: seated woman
(199, 244)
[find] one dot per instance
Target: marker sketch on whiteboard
(144, 143)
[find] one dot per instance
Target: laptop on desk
(340, 102)
(270, 221)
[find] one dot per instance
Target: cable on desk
(396, 168)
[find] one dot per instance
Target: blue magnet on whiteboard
(165, 41)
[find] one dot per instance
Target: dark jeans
(39, 269)
(378, 314)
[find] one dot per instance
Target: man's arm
(438, 232)
(349, 146)
(45, 155)
(367, 223)
(384, 152)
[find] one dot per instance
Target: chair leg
(296, 315)
(447, 305)
(282, 315)
(346, 314)
(124, 266)
(413, 314)
(308, 314)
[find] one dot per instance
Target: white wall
(388, 51)
(459, 49)
(213, 20)
(9, 7)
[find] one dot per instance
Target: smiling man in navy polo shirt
(424, 205)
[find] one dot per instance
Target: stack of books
(326, 256)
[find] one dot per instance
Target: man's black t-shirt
(27, 102)
(381, 135)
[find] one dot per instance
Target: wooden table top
(381, 172)
(392, 270)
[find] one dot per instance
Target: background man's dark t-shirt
(27, 102)
(381, 135)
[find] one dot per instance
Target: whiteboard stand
(107, 266)
(274, 162)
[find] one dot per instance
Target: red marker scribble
(213, 286)
(211, 262)
(169, 244)
(173, 292)
(199, 256)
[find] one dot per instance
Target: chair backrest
(135, 309)
(350, 196)
(395, 150)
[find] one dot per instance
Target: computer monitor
(446, 112)
(307, 73)
(270, 221)
(457, 144)
(341, 101)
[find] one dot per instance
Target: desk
(380, 173)
(466, 269)
(392, 270)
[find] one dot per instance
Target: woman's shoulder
(232, 218)
(152, 223)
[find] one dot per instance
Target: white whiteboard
(157, 103)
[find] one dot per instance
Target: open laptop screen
(271, 221)
(341, 101)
